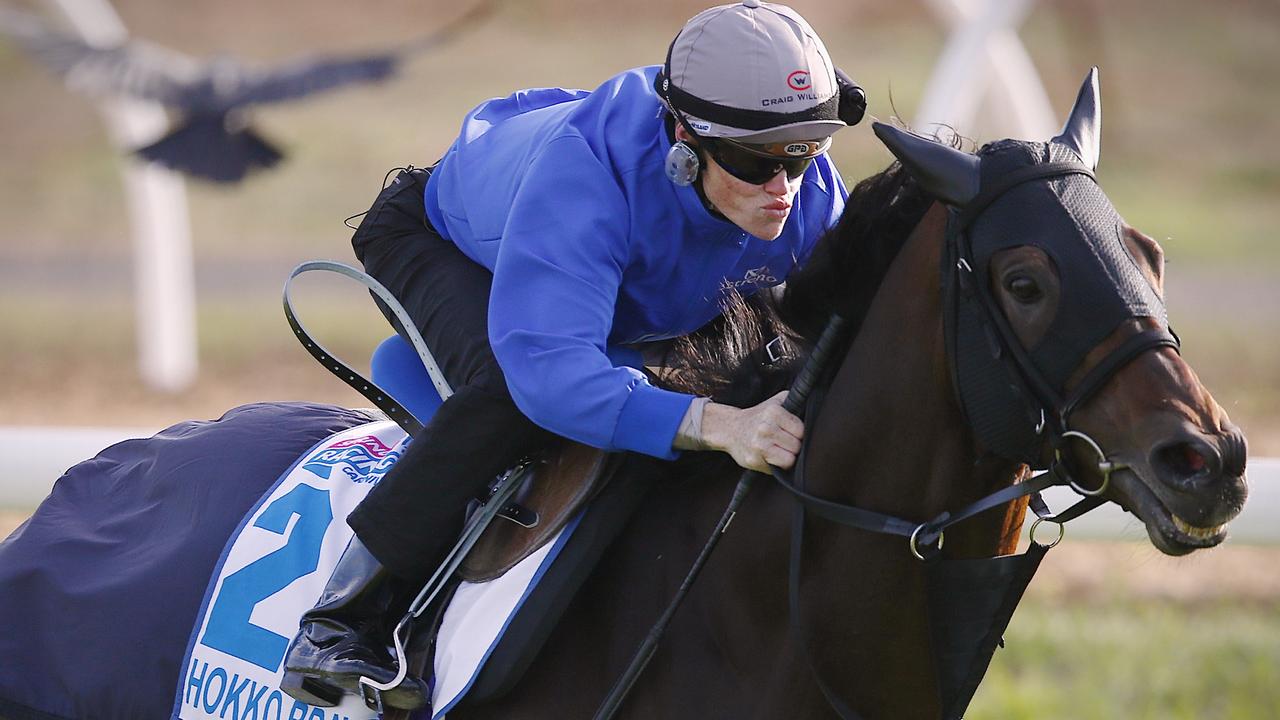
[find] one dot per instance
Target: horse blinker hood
(1016, 193)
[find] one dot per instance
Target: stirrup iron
(505, 489)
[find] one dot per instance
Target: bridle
(1028, 382)
(1052, 425)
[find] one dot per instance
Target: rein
(924, 540)
(794, 403)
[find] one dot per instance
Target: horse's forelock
(1031, 151)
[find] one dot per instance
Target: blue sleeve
(555, 285)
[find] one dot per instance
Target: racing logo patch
(799, 80)
(755, 277)
(359, 458)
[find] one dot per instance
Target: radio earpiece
(682, 164)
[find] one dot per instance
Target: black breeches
(410, 519)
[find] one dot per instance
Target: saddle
(558, 487)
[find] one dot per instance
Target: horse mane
(845, 271)
(842, 276)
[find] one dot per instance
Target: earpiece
(682, 164)
(853, 99)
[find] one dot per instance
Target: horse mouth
(1171, 534)
(1213, 534)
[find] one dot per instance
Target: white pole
(164, 282)
(985, 60)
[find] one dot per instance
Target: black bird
(214, 139)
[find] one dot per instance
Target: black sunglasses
(753, 168)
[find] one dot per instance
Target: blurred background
(1191, 113)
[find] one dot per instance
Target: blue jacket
(562, 195)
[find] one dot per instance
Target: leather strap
(366, 387)
(1118, 358)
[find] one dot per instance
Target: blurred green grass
(1156, 661)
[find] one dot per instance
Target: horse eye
(1023, 288)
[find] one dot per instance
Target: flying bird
(213, 139)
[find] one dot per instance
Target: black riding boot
(340, 640)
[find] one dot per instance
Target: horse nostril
(1187, 463)
(1235, 452)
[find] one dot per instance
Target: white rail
(985, 66)
(163, 273)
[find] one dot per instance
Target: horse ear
(1083, 131)
(948, 174)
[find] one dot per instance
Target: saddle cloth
(118, 563)
(274, 565)
(477, 616)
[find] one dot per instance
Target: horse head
(1057, 336)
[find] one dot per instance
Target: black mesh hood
(1102, 285)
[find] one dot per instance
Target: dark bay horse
(894, 435)
(1001, 317)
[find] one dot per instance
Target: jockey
(562, 231)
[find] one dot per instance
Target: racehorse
(893, 435)
(981, 342)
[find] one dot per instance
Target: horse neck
(891, 439)
(891, 436)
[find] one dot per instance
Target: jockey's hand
(756, 437)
